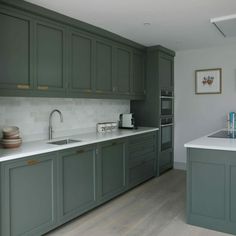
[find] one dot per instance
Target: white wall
(80, 115)
(198, 115)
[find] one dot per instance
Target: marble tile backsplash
(31, 115)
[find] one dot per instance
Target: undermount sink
(64, 141)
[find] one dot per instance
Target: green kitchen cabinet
(211, 189)
(166, 70)
(50, 58)
(81, 63)
(104, 71)
(77, 181)
(15, 53)
(28, 195)
(142, 161)
(138, 83)
(111, 169)
(123, 71)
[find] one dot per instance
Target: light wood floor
(155, 208)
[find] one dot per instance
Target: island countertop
(40, 147)
(206, 142)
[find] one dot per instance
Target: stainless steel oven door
(166, 135)
(166, 105)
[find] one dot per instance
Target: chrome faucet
(50, 121)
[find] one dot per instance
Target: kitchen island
(211, 183)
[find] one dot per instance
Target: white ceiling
(176, 24)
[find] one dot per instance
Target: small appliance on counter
(127, 121)
(106, 127)
(11, 137)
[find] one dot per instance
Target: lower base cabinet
(40, 193)
(111, 168)
(28, 195)
(77, 181)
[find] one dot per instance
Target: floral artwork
(208, 81)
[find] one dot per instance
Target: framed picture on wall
(208, 81)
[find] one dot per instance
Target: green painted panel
(103, 67)
(166, 71)
(29, 196)
(138, 73)
(81, 66)
(78, 180)
(49, 56)
(112, 157)
(208, 189)
(232, 194)
(123, 71)
(14, 51)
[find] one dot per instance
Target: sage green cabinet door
(123, 71)
(111, 168)
(103, 68)
(138, 73)
(29, 195)
(50, 57)
(15, 51)
(77, 181)
(232, 187)
(81, 63)
(166, 70)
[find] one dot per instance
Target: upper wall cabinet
(103, 67)
(123, 71)
(15, 52)
(80, 63)
(139, 73)
(50, 57)
(166, 70)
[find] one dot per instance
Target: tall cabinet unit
(157, 109)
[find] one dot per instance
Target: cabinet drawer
(141, 172)
(166, 160)
(139, 160)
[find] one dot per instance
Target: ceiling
(178, 25)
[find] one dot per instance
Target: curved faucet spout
(50, 121)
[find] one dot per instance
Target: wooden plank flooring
(155, 208)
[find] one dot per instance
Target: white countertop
(205, 142)
(39, 147)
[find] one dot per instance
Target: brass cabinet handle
(23, 86)
(32, 162)
(87, 90)
(80, 151)
(43, 87)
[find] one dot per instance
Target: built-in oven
(166, 133)
(166, 102)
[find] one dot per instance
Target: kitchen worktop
(206, 142)
(39, 147)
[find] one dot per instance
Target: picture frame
(208, 81)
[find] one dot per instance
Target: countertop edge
(55, 148)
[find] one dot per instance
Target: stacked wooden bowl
(11, 137)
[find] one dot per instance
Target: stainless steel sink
(64, 141)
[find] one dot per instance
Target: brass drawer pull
(32, 162)
(80, 151)
(23, 86)
(43, 87)
(88, 90)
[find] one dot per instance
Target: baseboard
(180, 165)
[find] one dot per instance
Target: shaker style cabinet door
(123, 71)
(138, 73)
(103, 68)
(15, 52)
(80, 63)
(111, 168)
(77, 181)
(166, 70)
(28, 195)
(50, 57)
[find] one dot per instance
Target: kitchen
(104, 183)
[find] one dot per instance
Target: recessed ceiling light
(146, 23)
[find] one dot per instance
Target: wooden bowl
(10, 131)
(11, 143)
